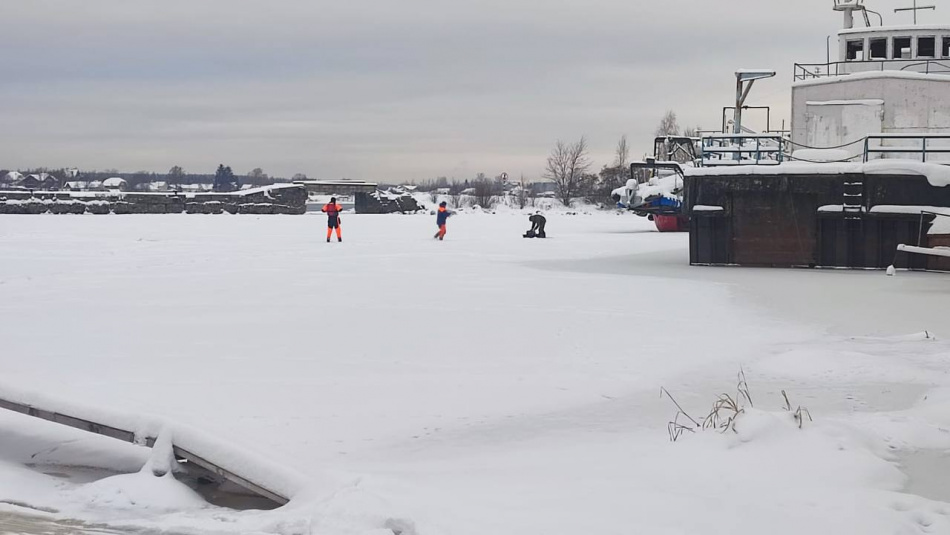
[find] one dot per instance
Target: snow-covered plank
(930, 251)
(241, 468)
(71, 421)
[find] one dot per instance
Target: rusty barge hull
(810, 220)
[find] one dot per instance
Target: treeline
(569, 165)
(496, 185)
(176, 176)
(482, 190)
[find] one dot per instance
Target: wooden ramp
(195, 464)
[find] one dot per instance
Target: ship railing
(742, 149)
(933, 148)
(812, 71)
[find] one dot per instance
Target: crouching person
(537, 227)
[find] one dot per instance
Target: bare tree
(523, 192)
(567, 167)
(691, 131)
(623, 153)
(484, 194)
(668, 125)
(299, 176)
(174, 177)
(455, 194)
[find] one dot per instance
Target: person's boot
(339, 238)
(328, 240)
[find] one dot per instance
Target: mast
(915, 9)
(848, 7)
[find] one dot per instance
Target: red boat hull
(671, 223)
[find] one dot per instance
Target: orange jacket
(331, 209)
(441, 216)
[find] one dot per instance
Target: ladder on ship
(853, 198)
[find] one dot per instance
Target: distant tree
(609, 179)
(484, 191)
(668, 125)
(524, 194)
(257, 173)
(622, 152)
(175, 177)
(224, 179)
(692, 131)
(614, 176)
(455, 193)
(567, 167)
(432, 184)
(299, 176)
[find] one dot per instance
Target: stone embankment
(281, 199)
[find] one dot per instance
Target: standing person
(332, 209)
(440, 218)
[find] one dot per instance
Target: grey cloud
(376, 89)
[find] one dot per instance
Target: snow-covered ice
(484, 384)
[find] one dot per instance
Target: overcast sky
(381, 89)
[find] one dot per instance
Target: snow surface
(484, 384)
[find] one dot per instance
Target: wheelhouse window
(855, 50)
(926, 47)
(946, 46)
(902, 48)
(878, 48)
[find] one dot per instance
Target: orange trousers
(330, 232)
(441, 233)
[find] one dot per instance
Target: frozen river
(484, 384)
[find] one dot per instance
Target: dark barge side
(826, 215)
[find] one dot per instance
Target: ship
(860, 180)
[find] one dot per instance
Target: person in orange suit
(440, 218)
(332, 209)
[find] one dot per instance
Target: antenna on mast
(915, 9)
